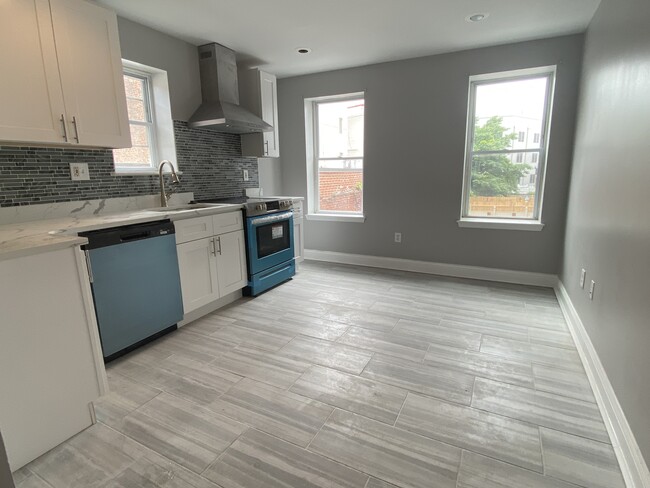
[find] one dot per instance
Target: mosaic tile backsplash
(211, 163)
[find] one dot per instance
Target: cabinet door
(269, 105)
(231, 262)
(31, 100)
(198, 269)
(91, 73)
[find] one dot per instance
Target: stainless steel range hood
(220, 109)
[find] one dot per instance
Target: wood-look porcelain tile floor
(350, 377)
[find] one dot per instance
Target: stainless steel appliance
(269, 241)
(135, 283)
(220, 109)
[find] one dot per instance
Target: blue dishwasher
(136, 284)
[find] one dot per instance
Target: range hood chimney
(220, 109)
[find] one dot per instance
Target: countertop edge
(42, 241)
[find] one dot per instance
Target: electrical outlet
(79, 171)
(583, 273)
(398, 237)
(591, 290)
(246, 175)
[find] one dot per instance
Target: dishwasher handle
(135, 236)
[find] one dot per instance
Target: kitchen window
(152, 130)
(504, 172)
(335, 157)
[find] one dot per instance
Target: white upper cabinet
(90, 64)
(259, 94)
(66, 82)
(31, 100)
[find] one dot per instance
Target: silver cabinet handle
(266, 151)
(65, 128)
(89, 267)
(219, 241)
(212, 247)
(76, 129)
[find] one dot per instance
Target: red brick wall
(340, 190)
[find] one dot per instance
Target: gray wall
(414, 149)
(608, 229)
(180, 59)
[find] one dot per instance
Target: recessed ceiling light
(303, 50)
(476, 17)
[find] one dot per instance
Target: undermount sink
(189, 206)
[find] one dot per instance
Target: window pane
(134, 87)
(340, 185)
(340, 129)
(509, 114)
(136, 110)
(139, 154)
(502, 187)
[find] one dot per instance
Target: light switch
(79, 171)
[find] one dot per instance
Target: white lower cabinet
(231, 262)
(211, 267)
(198, 269)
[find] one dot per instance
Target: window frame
(162, 143)
(312, 139)
(535, 221)
(150, 114)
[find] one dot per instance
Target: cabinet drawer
(193, 229)
(227, 222)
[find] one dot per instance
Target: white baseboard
(455, 270)
(635, 471)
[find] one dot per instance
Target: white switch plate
(582, 277)
(591, 290)
(398, 237)
(245, 175)
(79, 171)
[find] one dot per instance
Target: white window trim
(311, 143)
(535, 222)
(163, 140)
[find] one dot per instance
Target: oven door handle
(268, 219)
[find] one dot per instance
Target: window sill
(337, 218)
(502, 224)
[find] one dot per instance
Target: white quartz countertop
(26, 238)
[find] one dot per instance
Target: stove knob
(259, 207)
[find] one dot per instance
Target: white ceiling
(345, 33)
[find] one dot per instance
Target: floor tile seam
(558, 431)
(134, 380)
(552, 394)
(38, 476)
(426, 439)
(148, 449)
(559, 348)
(219, 456)
(536, 388)
(533, 424)
(401, 408)
(320, 428)
(357, 413)
(531, 361)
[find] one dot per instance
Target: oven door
(270, 241)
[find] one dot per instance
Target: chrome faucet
(164, 196)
